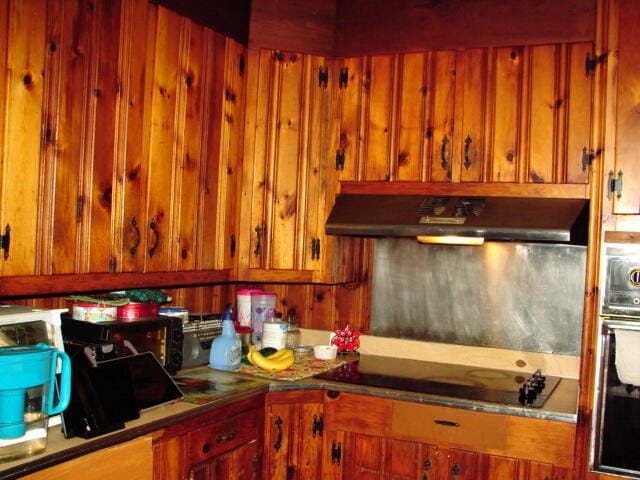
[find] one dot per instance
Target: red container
(135, 310)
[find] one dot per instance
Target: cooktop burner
(457, 381)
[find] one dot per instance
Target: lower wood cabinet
(223, 444)
(293, 433)
(131, 460)
(374, 438)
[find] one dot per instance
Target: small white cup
(325, 352)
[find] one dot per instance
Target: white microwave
(20, 325)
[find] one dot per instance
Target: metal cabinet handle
(258, 230)
(317, 425)
(136, 242)
(467, 152)
(426, 465)
(447, 423)
(443, 153)
(336, 453)
(5, 241)
(156, 238)
(278, 442)
(227, 438)
(455, 471)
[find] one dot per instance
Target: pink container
(243, 312)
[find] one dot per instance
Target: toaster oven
(20, 325)
(161, 335)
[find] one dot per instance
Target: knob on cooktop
(531, 388)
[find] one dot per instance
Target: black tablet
(152, 384)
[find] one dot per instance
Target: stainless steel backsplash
(519, 296)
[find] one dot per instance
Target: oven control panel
(621, 281)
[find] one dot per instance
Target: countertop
(213, 389)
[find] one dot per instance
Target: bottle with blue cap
(226, 349)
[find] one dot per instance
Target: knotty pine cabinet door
(195, 131)
(371, 457)
(120, 155)
(22, 62)
(288, 177)
(293, 435)
(510, 114)
(622, 148)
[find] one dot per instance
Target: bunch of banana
(281, 360)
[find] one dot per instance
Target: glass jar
(293, 333)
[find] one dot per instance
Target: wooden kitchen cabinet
(507, 114)
(20, 129)
(132, 460)
(369, 437)
(621, 58)
(225, 443)
(289, 179)
(293, 435)
(119, 156)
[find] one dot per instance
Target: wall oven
(615, 444)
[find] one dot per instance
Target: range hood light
(450, 240)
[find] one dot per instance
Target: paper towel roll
(628, 356)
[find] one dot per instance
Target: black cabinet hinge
(343, 79)
(323, 77)
(591, 63)
(317, 425)
(336, 453)
(614, 185)
(315, 249)
(588, 156)
(5, 241)
(340, 159)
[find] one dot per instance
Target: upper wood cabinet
(120, 155)
(621, 56)
(289, 178)
(22, 61)
(507, 114)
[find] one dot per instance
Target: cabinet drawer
(512, 436)
(220, 437)
(451, 426)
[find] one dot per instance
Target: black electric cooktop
(446, 380)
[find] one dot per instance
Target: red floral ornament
(346, 340)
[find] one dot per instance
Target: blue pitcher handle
(65, 383)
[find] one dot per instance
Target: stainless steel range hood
(555, 220)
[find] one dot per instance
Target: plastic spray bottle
(226, 349)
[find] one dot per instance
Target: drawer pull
(455, 471)
(227, 438)
(278, 423)
(447, 423)
(426, 466)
